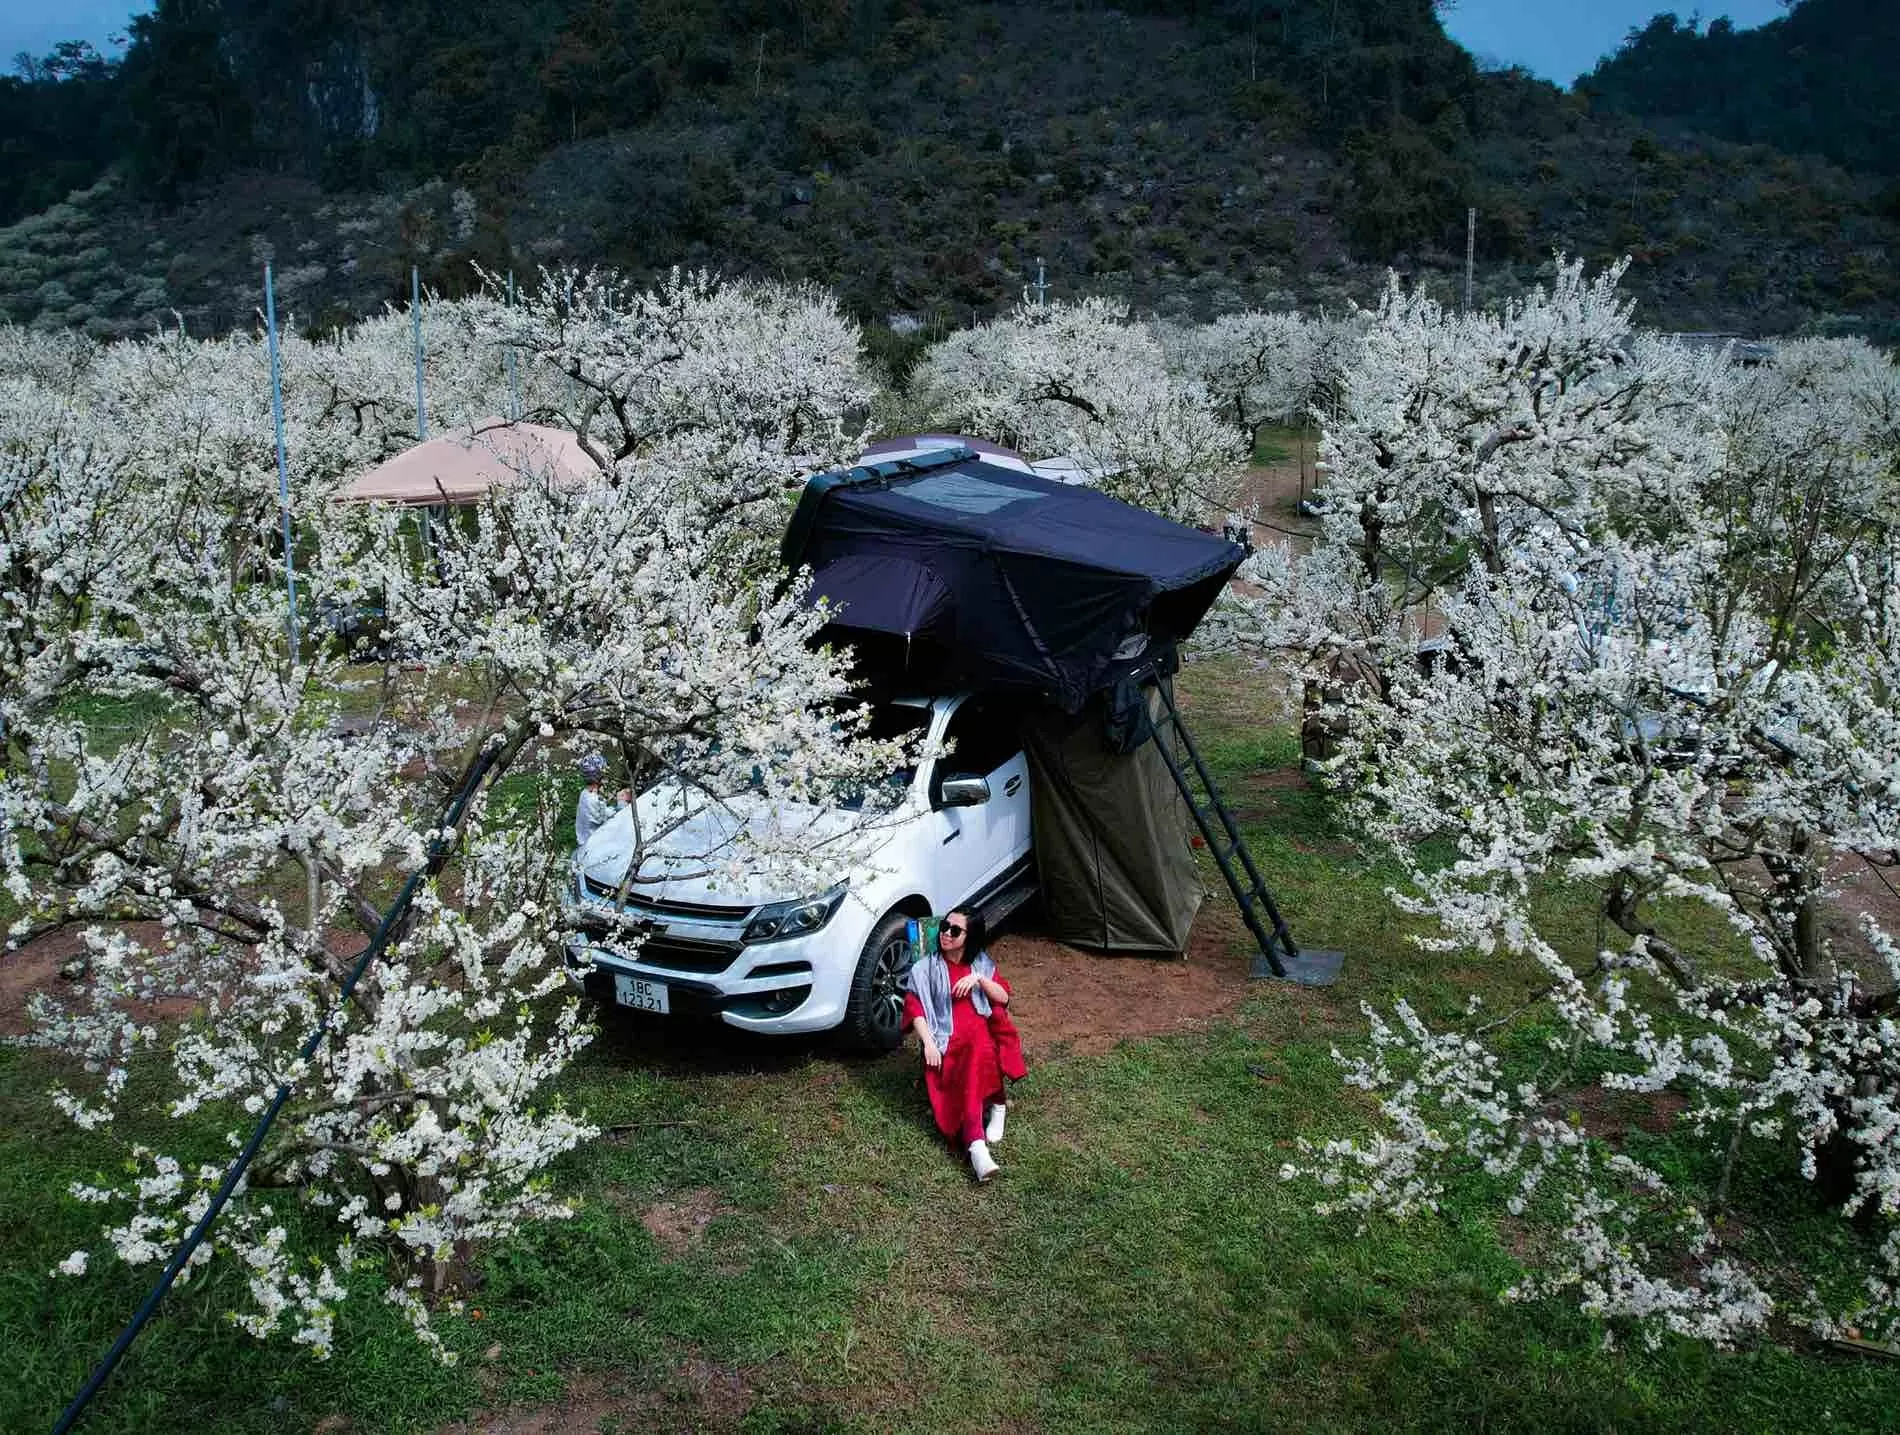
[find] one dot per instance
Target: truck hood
(737, 853)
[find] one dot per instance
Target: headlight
(793, 919)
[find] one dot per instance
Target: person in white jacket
(593, 809)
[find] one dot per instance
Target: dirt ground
(1273, 490)
(36, 968)
(1862, 890)
(1080, 1001)
(1066, 1000)
(699, 1395)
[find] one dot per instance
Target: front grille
(679, 954)
(699, 911)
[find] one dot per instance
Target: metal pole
(283, 463)
(422, 403)
(1471, 245)
(415, 314)
(514, 379)
(1040, 288)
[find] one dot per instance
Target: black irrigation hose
(438, 855)
(1874, 867)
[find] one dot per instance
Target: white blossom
(137, 561)
(1664, 598)
(1081, 380)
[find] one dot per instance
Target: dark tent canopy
(992, 576)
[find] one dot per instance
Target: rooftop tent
(918, 444)
(460, 468)
(1008, 577)
(960, 568)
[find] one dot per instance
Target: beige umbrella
(460, 468)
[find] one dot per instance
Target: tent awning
(883, 593)
(460, 468)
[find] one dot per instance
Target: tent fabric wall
(1111, 838)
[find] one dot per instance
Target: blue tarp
(998, 577)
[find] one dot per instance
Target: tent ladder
(1278, 956)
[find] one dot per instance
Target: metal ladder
(1278, 955)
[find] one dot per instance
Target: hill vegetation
(1817, 81)
(918, 157)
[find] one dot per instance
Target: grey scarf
(930, 980)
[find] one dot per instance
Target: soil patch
(1276, 779)
(39, 965)
(1609, 1114)
(680, 1224)
(1862, 891)
(697, 1395)
(1273, 491)
(1080, 1001)
(36, 967)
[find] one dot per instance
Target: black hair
(976, 934)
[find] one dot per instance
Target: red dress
(981, 1053)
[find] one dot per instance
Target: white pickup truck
(785, 962)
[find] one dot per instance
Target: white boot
(981, 1161)
(993, 1128)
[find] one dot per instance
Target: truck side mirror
(964, 790)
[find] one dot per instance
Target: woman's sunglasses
(951, 929)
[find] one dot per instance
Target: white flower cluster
(1082, 380)
(1591, 611)
(235, 845)
(1258, 368)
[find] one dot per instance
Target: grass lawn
(771, 1238)
(1284, 443)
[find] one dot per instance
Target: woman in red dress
(958, 1005)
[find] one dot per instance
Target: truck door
(979, 844)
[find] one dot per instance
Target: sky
(35, 26)
(1557, 39)
(1561, 39)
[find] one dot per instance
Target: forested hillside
(1819, 81)
(916, 156)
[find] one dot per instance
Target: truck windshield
(888, 720)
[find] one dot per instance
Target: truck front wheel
(874, 1015)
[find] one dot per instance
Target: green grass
(1138, 1266)
(112, 721)
(1280, 443)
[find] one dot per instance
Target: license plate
(639, 993)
